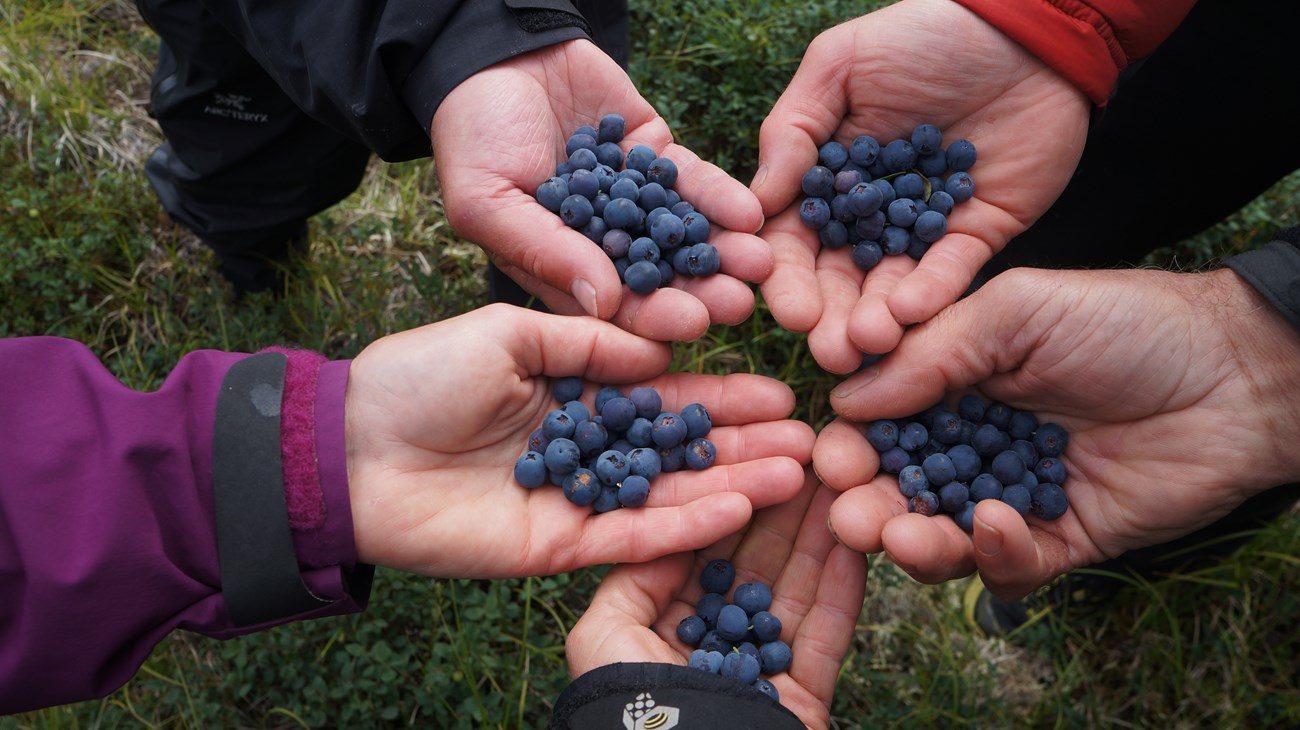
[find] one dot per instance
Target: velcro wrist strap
(260, 580)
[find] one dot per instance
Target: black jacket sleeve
(377, 70)
(1274, 271)
(648, 695)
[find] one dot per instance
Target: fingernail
(759, 176)
(988, 541)
(585, 293)
(831, 527)
(855, 383)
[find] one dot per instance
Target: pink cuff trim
(302, 487)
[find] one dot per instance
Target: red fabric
(302, 488)
(1088, 43)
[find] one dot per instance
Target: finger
(728, 301)
(842, 457)
(931, 549)
(667, 314)
(840, 281)
(744, 255)
(806, 115)
(638, 535)
(733, 399)
(722, 199)
(941, 277)
(765, 552)
(548, 344)
(1009, 560)
(791, 291)
(825, 633)
(763, 482)
(859, 515)
(872, 326)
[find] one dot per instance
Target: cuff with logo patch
(647, 696)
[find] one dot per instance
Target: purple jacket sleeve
(107, 539)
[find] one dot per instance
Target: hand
(501, 132)
(882, 74)
(437, 416)
(1177, 391)
(817, 588)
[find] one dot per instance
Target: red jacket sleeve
(1088, 43)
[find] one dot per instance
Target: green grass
(86, 253)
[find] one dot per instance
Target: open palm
(914, 62)
(437, 416)
(1165, 382)
(500, 134)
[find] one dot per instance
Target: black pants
(1191, 134)
(242, 166)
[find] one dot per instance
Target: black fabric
(653, 695)
(1274, 271)
(1191, 134)
(260, 581)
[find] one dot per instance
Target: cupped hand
(1175, 390)
(817, 592)
(500, 133)
(437, 416)
(914, 62)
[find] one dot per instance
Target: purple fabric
(106, 520)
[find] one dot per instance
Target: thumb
(963, 345)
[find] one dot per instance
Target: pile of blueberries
(886, 200)
(947, 461)
(736, 638)
(626, 204)
(608, 459)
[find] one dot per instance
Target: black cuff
(260, 581)
(1274, 271)
(539, 16)
(645, 695)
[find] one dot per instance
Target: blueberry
(895, 240)
(930, 226)
(882, 435)
(705, 661)
(1050, 439)
(605, 394)
(832, 155)
(566, 389)
(611, 128)
(712, 642)
(767, 688)
(639, 158)
(733, 623)
(703, 260)
(886, 191)
(1050, 469)
(668, 231)
(700, 454)
(1048, 502)
(717, 576)
(606, 501)
(989, 440)
(577, 411)
(1018, 497)
(814, 212)
(669, 429)
(663, 171)
(964, 461)
(871, 227)
(953, 496)
(867, 254)
(840, 209)
(591, 437)
(898, 155)
(916, 248)
(767, 627)
(946, 427)
(902, 212)
(558, 424)
(864, 150)
(846, 179)
(985, 486)
(961, 155)
(818, 182)
(1028, 453)
(595, 229)
(672, 458)
(616, 242)
(910, 185)
(833, 235)
(741, 666)
(644, 462)
(690, 630)
(941, 202)
(865, 199)
(911, 479)
(623, 213)
(932, 164)
(753, 597)
(1008, 467)
(697, 419)
(611, 467)
(530, 470)
(584, 158)
(775, 657)
(925, 503)
(927, 139)
(562, 456)
(537, 441)
(580, 140)
(582, 487)
(965, 517)
(960, 186)
(708, 607)
(618, 414)
(552, 192)
(998, 414)
(576, 211)
(1022, 425)
(642, 277)
(893, 460)
(634, 491)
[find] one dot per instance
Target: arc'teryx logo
(232, 106)
(643, 714)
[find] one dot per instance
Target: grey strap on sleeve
(259, 566)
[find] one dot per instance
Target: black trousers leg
(242, 166)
